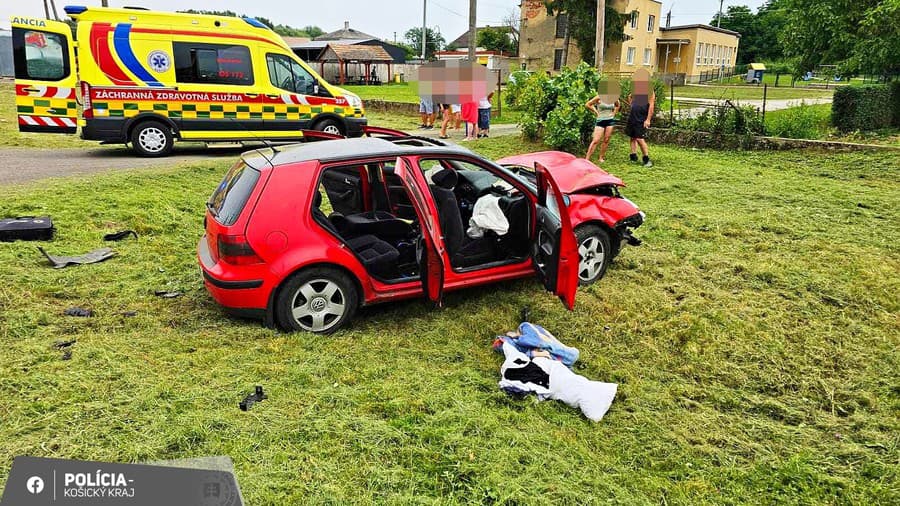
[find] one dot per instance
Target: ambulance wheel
(152, 138)
(330, 126)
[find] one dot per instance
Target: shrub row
(869, 107)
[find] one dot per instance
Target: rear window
(229, 199)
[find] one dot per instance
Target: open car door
(44, 59)
(555, 250)
(430, 249)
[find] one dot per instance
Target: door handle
(252, 95)
(30, 90)
(273, 96)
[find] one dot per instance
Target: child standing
(484, 115)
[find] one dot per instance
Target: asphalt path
(19, 165)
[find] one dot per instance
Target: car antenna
(267, 142)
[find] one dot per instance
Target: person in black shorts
(642, 101)
(605, 106)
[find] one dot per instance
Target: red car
(303, 235)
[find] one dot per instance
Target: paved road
(19, 165)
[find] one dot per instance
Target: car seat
(464, 251)
(378, 257)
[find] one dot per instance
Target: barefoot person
(605, 106)
(642, 101)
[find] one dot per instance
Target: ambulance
(153, 78)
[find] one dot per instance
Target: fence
(680, 111)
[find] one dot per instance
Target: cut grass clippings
(753, 335)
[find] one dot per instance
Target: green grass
(748, 92)
(814, 122)
(392, 92)
(753, 335)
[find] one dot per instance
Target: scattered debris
(98, 255)
(167, 294)
(118, 236)
(253, 398)
(26, 228)
(129, 314)
(64, 344)
(78, 311)
(67, 355)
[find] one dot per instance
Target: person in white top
(484, 115)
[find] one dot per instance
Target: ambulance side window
(288, 75)
(40, 56)
(197, 62)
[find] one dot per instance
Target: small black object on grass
(118, 236)
(63, 344)
(167, 294)
(253, 398)
(67, 355)
(78, 311)
(525, 315)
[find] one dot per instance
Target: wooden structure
(345, 54)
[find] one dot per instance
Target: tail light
(87, 108)
(235, 250)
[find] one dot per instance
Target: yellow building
(697, 53)
(542, 38)
(694, 52)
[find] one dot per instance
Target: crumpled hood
(570, 172)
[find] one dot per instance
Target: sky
(381, 18)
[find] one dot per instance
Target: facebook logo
(35, 484)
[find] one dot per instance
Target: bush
(725, 120)
(554, 106)
(801, 122)
(867, 107)
(895, 101)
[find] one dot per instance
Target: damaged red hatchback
(302, 235)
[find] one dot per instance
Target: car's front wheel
(594, 253)
(319, 300)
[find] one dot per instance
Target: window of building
(651, 20)
(629, 56)
(197, 62)
(562, 22)
(648, 54)
(634, 19)
(706, 53)
(557, 59)
(699, 52)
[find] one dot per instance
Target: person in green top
(605, 106)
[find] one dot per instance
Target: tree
(856, 35)
(495, 39)
(434, 41)
(512, 21)
(759, 31)
(313, 31)
(582, 23)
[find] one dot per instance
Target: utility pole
(104, 3)
(719, 17)
(472, 34)
(601, 27)
(424, 32)
(46, 10)
(53, 6)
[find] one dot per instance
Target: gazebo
(344, 54)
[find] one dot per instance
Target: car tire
(330, 126)
(318, 300)
(594, 253)
(151, 139)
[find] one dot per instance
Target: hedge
(895, 101)
(869, 107)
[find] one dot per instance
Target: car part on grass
(64, 344)
(129, 314)
(165, 294)
(67, 355)
(250, 400)
(91, 257)
(118, 236)
(26, 228)
(78, 311)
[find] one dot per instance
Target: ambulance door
(46, 77)
(289, 87)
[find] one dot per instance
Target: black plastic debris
(129, 314)
(78, 311)
(64, 344)
(165, 294)
(67, 355)
(26, 228)
(525, 315)
(91, 257)
(253, 398)
(118, 236)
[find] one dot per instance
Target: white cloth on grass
(487, 215)
(551, 379)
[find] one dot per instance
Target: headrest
(317, 200)
(445, 178)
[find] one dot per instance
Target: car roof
(343, 149)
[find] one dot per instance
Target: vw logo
(317, 304)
